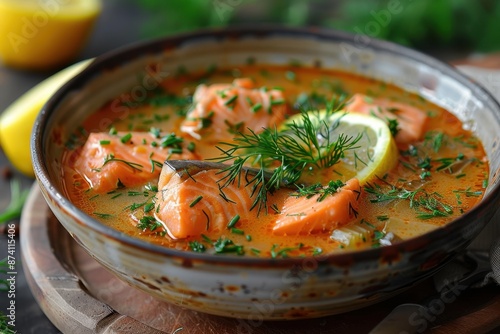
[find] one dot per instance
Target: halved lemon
(375, 154)
(16, 122)
(44, 34)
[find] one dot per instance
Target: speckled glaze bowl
(251, 288)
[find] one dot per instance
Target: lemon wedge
(45, 34)
(376, 151)
(16, 122)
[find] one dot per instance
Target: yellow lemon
(44, 34)
(16, 122)
(374, 154)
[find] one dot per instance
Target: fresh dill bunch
(4, 326)
(281, 156)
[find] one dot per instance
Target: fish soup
(269, 161)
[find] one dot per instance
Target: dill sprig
(315, 189)
(281, 156)
(111, 158)
(426, 205)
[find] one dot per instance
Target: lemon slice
(38, 34)
(16, 122)
(376, 151)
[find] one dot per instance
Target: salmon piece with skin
(105, 160)
(191, 204)
(220, 110)
(411, 120)
(302, 215)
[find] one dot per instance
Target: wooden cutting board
(79, 296)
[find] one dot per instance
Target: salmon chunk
(306, 215)
(191, 202)
(126, 159)
(411, 120)
(221, 110)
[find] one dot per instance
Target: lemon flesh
(16, 122)
(44, 34)
(375, 154)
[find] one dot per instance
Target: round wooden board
(79, 296)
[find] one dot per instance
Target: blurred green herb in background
(421, 24)
(17, 199)
(4, 325)
(4, 287)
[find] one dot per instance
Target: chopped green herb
(196, 246)
(377, 235)
(175, 150)
(191, 146)
(237, 231)
(231, 101)
(284, 251)
(155, 132)
(126, 138)
(207, 121)
(102, 215)
(317, 251)
(149, 207)
(233, 221)
(148, 222)
(195, 201)
(277, 102)
(255, 251)
(104, 142)
(425, 174)
(468, 192)
(393, 125)
(485, 183)
(223, 245)
(367, 223)
(256, 107)
(234, 128)
(171, 140)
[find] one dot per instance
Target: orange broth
(444, 138)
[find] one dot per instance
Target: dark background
(447, 29)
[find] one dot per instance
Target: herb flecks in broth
(113, 164)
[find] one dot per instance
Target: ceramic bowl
(254, 288)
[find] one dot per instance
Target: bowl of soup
(270, 173)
